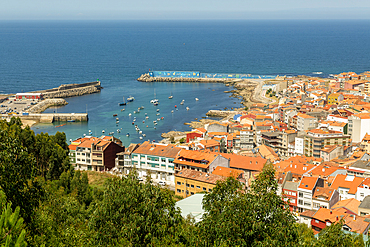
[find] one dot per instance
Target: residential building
(124, 161)
(290, 194)
(155, 159)
(246, 139)
(364, 207)
(316, 139)
(346, 185)
(199, 161)
(358, 126)
(306, 122)
(95, 154)
(330, 152)
(306, 190)
(335, 98)
(324, 198)
(189, 182)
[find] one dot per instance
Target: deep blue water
(38, 55)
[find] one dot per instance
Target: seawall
(148, 78)
(50, 117)
(71, 90)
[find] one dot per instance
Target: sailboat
(123, 102)
(154, 101)
(170, 97)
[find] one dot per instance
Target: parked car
(163, 183)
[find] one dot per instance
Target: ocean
(38, 55)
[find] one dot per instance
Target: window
(209, 190)
(300, 202)
(192, 185)
(198, 187)
(192, 193)
(300, 194)
(89, 168)
(178, 183)
(317, 221)
(178, 191)
(204, 189)
(187, 185)
(362, 194)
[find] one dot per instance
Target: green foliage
(18, 170)
(136, 214)
(334, 236)
(182, 140)
(255, 218)
(61, 220)
(12, 232)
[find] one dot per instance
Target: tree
(12, 232)
(18, 171)
(136, 214)
(258, 217)
(335, 236)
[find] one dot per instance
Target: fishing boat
(129, 114)
(123, 109)
(114, 115)
(71, 120)
(187, 108)
(123, 102)
(172, 111)
(140, 137)
(60, 125)
(111, 133)
(182, 102)
(117, 118)
(128, 134)
(196, 99)
(171, 96)
(130, 99)
(103, 131)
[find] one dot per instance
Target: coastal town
(315, 131)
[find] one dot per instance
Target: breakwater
(148, 78)
(196, 76)
(45, 104)
(217, 113)
(72, 90)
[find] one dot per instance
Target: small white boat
(123, 109)
(130, 99)
(157, 109)
(134, 111)
(196, 99)
(172, 111)
(170, 97)
(147, 117)
(129, 114)
(140, 132)
(182, 102)
(117, 118)
(118, 131)
(103, 131)
(187, 108)
(144, 135)
(158, 114)
(141, 137)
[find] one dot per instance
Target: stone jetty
(71, 90)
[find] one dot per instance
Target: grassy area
(97, 179)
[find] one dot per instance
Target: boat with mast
(123, 102)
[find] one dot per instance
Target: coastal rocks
(201, 123)
(173, 134)
(220, 114)
(45, 104)
(147, 78)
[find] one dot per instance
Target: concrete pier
(50, 117)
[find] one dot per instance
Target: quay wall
(50, 117)
(197, 74)
(71, 90)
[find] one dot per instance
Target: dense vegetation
(44, 202)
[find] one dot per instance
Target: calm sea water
(41, 55)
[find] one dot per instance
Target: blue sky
(182, 9)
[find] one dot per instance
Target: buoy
(175, 106)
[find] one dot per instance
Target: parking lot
(15, 106)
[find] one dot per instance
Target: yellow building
(335, 98)
(189, 182)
